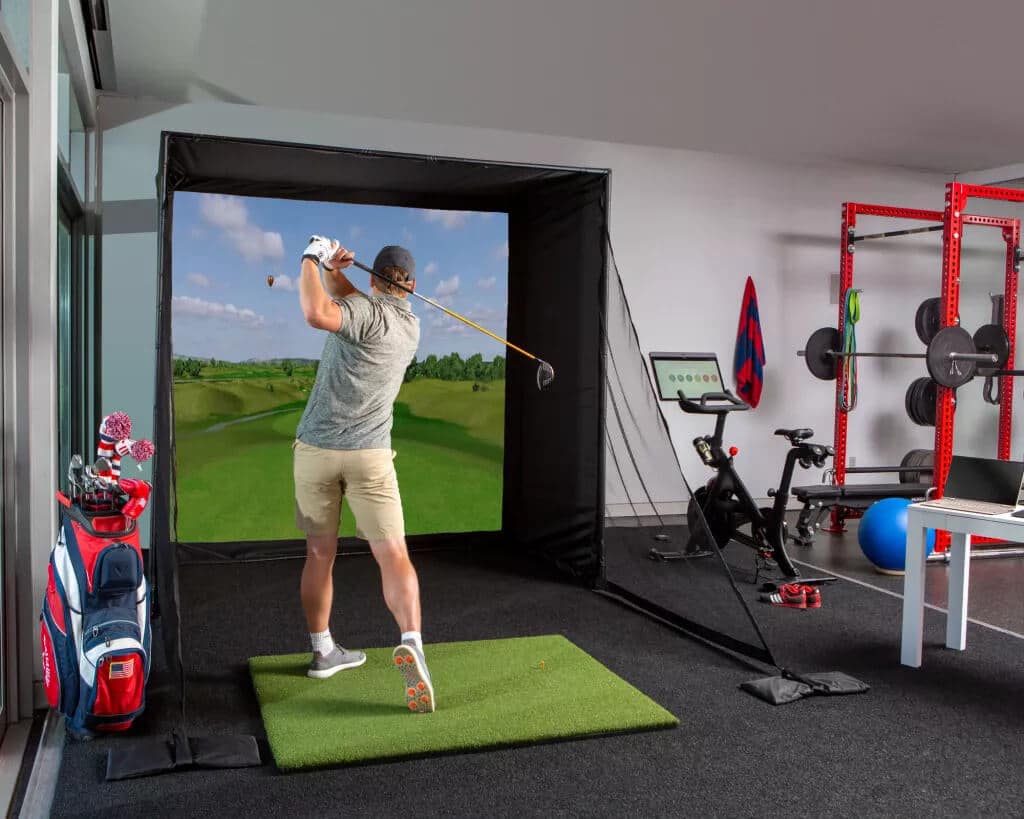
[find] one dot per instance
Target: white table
(961, 526)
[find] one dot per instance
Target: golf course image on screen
(245, 361)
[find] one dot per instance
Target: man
(343, 447)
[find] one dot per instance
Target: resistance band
(851, 310)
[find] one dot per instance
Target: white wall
(688, 227)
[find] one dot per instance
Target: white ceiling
(930, 84)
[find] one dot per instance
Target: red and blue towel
(748, 364)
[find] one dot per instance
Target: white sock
(415, 636)
(322, 642)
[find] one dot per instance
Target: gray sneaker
(338, 660)
(419, 691)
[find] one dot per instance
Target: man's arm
(317, 307)
(337, 284)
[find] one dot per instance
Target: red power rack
(952, 221)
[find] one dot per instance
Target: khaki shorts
(366, 477)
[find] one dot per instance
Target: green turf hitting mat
(489, 694)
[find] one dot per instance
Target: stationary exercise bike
(725, 501)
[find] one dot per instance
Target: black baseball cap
(395, 256)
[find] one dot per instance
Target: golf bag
(95, 630)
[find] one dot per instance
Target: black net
(651, 559)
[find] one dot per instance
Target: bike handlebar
(701, 405)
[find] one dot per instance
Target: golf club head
(545, 374)
(76, 469)
(91, 482)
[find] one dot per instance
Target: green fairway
(234, 458)
(489, 694)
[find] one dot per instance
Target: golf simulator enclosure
(553, 482)
(553, 485)
(492, 694)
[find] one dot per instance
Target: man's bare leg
(317, 587)
(317, 590)
(402, 595)
(400, 583)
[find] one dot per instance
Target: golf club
(75, 473)
(545, 372)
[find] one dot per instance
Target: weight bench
(820, 498)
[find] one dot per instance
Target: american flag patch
(121, 669)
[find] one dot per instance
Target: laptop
(985, 486)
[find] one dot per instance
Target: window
(76, 329)
(70, 128)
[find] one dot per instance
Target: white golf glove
(321, 250)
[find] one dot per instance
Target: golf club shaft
(451, 313)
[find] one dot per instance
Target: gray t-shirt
(361, 370)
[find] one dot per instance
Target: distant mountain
(298, 362)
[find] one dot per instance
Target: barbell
(953, 355)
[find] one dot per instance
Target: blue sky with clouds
(224, 247)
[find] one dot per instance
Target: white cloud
(190, 306)
(407, 236)
(447, 287)
(229, 214)
(284, 283)
(431, 268)
(502, 252)
(355, 232)
(488, 283)
(226, 212)
(198, 279)
(488, 317)
(449, 219)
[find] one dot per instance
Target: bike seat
(795, 435)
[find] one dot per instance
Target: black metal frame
(553, 504)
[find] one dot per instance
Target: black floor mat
(944, 740)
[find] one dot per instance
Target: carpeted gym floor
(943, 740)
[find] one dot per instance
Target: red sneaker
(813, 596)
(790, 595)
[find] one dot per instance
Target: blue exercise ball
(883, 535)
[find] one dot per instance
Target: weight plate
(921, 397)
(819, 362)
(945, 370)
(929, 400)
(917, 457)
(908, 402)
(917, 402)
(928, 319)
(909, 477)
(991, 338)
(913, 401)
(927, 464)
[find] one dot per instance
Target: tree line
(192, 367)
(452, 367)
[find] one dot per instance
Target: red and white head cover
(138, 492)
